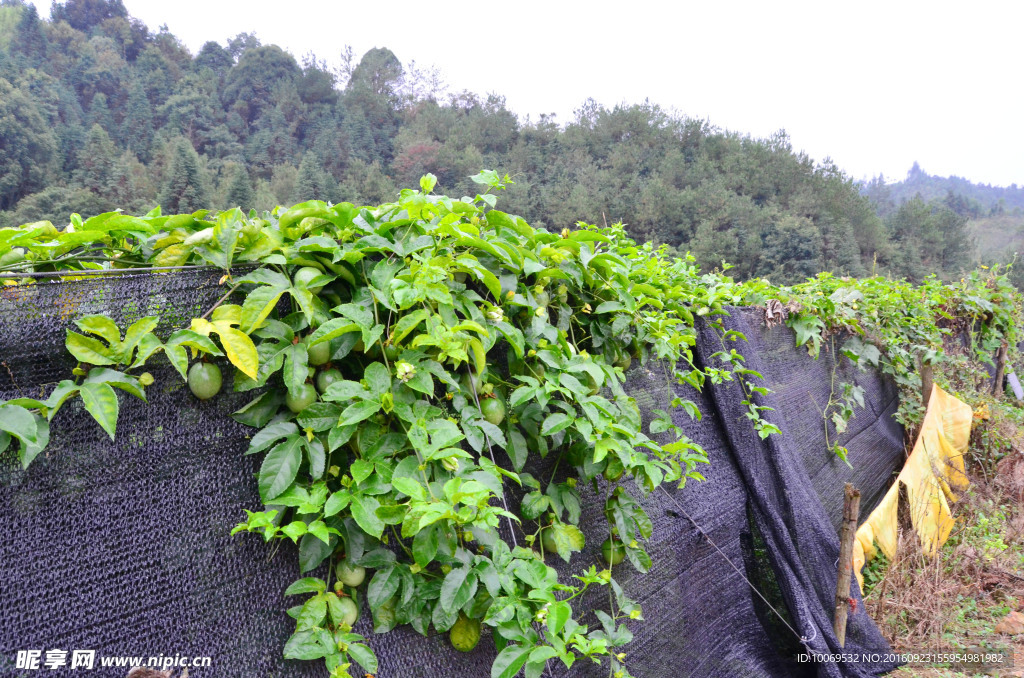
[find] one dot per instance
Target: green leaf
(116, 379)
(458, 587)
(304, 645)
(336, 503)
(555, 423)
(383, 586)
(558, 614)
(510, 660)
(318, 529)
(101, 326)
(138, 330)
(19, 422)
(407, 324)
(378, 379)
(270, 434)
(307, 585)
(364, 657)
(357, 412)
(331, 329)
(521, 395)
(261, 410)
(360, 470)
(424, 545)
(364, 510)
(101, 402)
(259, 304)
(89, 350)
(294, 530)
(319, 416)
(296, 368)
(279, 468)
(517, 450)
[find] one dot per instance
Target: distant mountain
(976, 200)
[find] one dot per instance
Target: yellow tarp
(933, 474)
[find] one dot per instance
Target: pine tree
(312, 182)
(137, 126)
(99, 113)
(185, 190)
(96, 163)
(29, 39)
(240, 193)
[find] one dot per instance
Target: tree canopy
(92, 100)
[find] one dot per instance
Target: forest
(99, 112)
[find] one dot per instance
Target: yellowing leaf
(239, 348)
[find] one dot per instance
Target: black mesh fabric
(123, 547)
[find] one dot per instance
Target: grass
(955, 601)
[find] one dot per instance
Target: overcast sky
(873, 85)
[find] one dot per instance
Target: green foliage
(401, 461)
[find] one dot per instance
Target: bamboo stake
(851, 511)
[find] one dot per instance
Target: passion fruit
(493, 410)
(304, 275)
(547, 538)
(326, 378)
(204, 380)
(349, 611)
(465, 633)
(613, 551)
(348, 574)
(319, 353)
(305, 397)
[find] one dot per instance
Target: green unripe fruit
(349, 611)
(624, 361)
(465, 633)
(547, 538)
(349, 575)
(319, 353)
(301, 400)
(204, 380)
(493, 410)
(326, 378)
(304, 275)
(613, 551)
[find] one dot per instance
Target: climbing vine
(412, 363)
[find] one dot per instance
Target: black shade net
(123, 546)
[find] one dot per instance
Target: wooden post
(848, 531)
(927, 380)
(997, 387)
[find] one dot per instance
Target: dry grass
(954, 601)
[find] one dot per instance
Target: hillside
(98, 112)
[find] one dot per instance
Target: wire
(69, 273)
(803, 639)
